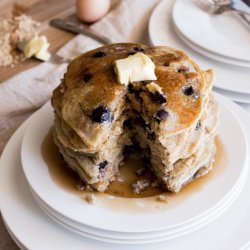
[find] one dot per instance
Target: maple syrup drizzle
(64, 177)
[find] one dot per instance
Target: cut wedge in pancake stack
(171, 120)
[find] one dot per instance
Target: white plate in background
(237, 97)
(221, 34)
(210, 54)
(161, 32)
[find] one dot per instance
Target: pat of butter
(38, 47)
(137, 67)
(43, 54)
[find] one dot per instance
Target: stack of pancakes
(171, 121)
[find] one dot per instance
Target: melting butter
(137, 67)
(37, 47)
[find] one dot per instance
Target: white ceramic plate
(221, 34)
(34, 230)
(19, 244)
(209, 53)
(37, 174)
(157, 237)
(167, 234)
(144, 236)
(146, 240)
(161, 32)
(237, 97)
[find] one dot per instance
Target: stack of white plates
(59, 214)
(220, 42)
(130, 227)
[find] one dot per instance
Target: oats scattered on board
(16, 28)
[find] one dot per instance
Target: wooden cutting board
(42, 11)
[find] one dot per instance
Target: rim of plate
(210, 54)
(64, 202)
(161, 32)
(238, 97)
(14, 238)
(163, 237)
(153, 235)
(149, 234)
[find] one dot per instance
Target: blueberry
(138, 49)
(162, 114)
(183, 69)
(87, 77)
(99, 54)
(103, 164)
(188, 90)
(102, 114)
(158, 97)
(198, 125)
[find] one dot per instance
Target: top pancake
(90, 82)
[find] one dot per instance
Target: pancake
(166, 120)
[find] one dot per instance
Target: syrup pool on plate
(120, 195)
